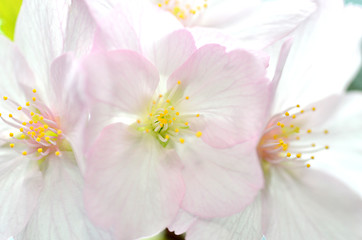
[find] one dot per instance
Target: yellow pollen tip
(326, 147)
(160, 95)
(24, 123)
(308, 165)
(46, 126)
(198, 134)
(31, 122)
(154, 102)
(24, 153)
(187, 97)
(31, 113)
(0, 114)
(166, 111)
(41, 118)
(161, 124)
(177, 113)
(182, 140)
(21, 129)
(288, 154)
(38, 139)
(313, 145)
(160, 4)
(5, 98)
(168, 100)
(294, 116)
(309, 131)
(167, 136)
(34, 90)
(286, 114)
(179, 82)
(197, 115)
(312, 157)
(19, 108)
(10, 115)
(172, 108)
(47, 139)
(325, 131)
(291, 125)
(298, 106)
(174, 119)
(11, 134)
(150, 114)
(22, 136)
(186, 123)
(57, 153)
(12, 145)
(147, 130)
(302, 111)
(278, 123)
(40, 150)
(176, 130)
(34, 99)
(299, 155)
(282, 125)
(313, 109)
(138, 121)
(27, 104)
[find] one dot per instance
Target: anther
(312, 157)
(27, 104)
(298, 106)
(294, 116)
(38, 139)
(34, 99)
(308, 165)
(176, 130)
(313, 145)
(186, 123)
(177, 113)
(24, 153)
(19, 108)
(182, 140)
(21, 129)
(313, 109)
(5, 98)
(34, 90)
(167, 136)
(287, 114)
(138, 121)
(326, 147)
(11, 134)
(168, 100)
(309, 131)
(197, 115)
(179, 82)
(325, 131)
(187, 97)
(40, 150)
(160, 96)
(24, 123)
(12, 145)
(10, 115)
(299, 155)
(301, 111)
(57, 153)
(198, 134)
(289, 154)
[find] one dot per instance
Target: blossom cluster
(217, 119)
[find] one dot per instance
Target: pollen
(160, 96)
(24, 153)
(312, 157)
(19, 108)
(12, 145)
(21, 129)
(5, 98)
(198, 134)
(46, 126)
(313, 109)
(24, 123)
(167, 136)
(308, 165)
(182, 140)
(177, 130)
(11, 134)
(34, 90)
(309, 131)
(38, 139)
(325, 131)
(197, 115)
(27, 104)
(298, 106)
(287, 114)
(299, 155)
(138, 121)
(10, 115)
(40, 150)
(294, 116)
(187, 97)
(289, 154)
(57, 153)
(179, 82)
(186, 123)
(326, 147)
(177, 113)
(34, 99)
(301, 111)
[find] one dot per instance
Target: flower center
(282, 138)
(37, 130)
(183, 10)
(164, 120)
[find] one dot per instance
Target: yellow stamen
(288, 154)
(176, 130)
(326, 147)
(287, 114)
(308, 165)
(12, 145)
(198, 134)
(5, 98)
(197, 115)
(57, 153)
(34, 90)
(182, 140)
(179, 82)
(38, 139)
(10, 115)
(27, 104)
(299, 155)
(24, 153)
(11, 134)
(40, 150)
(309, 131)
(187, 97)
(19, 108)
(21, 129)
(325, 131)
(313, 109)
(34, 99)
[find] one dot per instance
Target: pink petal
(133, 187)
(228, 90)
(182, 222)
(218, 182)
(67, 101)
(172, 51)
(60, 213)
(20, 185)
(121, 78)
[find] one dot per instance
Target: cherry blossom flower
(299, 202)
(42, 116)
(255, 23)
(169, 126)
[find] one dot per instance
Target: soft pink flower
(171, 127)
(299, 202)
(42, 116)
(255, 23)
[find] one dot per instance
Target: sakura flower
(256, 23)
(41, 116)
(171, 127)
(299, 202)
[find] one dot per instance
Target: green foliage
(9, 10)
